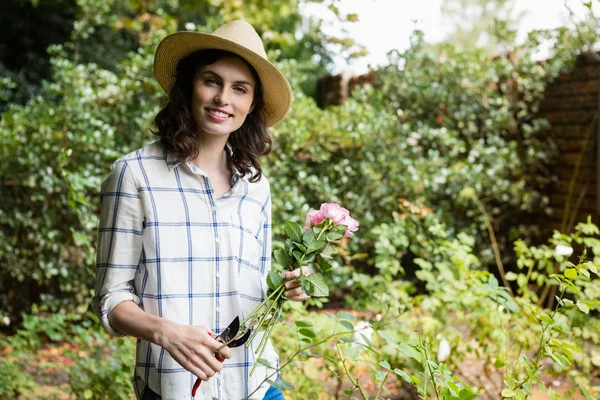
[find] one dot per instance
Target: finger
(211, 362)
(305, 270)
(293, 293)
(193, 364)
(301, 297)
(225, 352)
(293, 284)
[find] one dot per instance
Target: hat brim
(277, 93)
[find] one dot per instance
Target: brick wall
(570, 105)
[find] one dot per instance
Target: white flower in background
(190, 26)
(563, 250)
(268, 35)
(444, 350)
(6, 321)
(361, 329)
(413, 140)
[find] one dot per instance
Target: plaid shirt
(166, 243)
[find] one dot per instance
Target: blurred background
(462, 134)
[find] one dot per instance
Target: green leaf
(293, 231)
(511, 276)
(571, 273)
(308, 237)
(298, 257)
(467, 394)
(583, 307)
(274, 280)
(410, 351)
(586, 394)
(402, 375)
(323, 265)
(282, 258)
(512, 306)
(508, 393)
(345, 315)
(388, 338)
(327, 252)
(384, 364)
(379, 376)
(315, 285)
(282, 385)
(307, 332)
(303, 324)
(346, 324)
(334, 236)
(316, 246)
(348, 392)
(546, 318)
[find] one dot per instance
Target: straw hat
(238, 37)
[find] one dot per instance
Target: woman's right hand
(193, 348)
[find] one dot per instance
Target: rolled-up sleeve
(119, 243)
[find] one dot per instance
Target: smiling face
(223, 95)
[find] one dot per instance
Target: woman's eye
(241, 89)
(210, 81)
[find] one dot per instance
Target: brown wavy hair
(178, 131)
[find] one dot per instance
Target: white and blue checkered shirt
(166, 243)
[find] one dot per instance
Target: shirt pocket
(247, 246)
(247, 251)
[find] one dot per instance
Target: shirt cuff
(107, 303)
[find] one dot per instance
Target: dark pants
(272, 394)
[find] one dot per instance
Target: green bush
(13, 380)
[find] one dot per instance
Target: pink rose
(352, 225)
(334, 212)
(313, 218)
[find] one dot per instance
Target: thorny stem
(356, 383)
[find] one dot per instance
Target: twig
(495, 247)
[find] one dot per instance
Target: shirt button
(217, 240)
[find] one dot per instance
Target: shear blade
(230, 332)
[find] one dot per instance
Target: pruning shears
(232, 337)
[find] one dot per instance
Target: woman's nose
(221, 97)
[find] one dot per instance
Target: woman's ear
(251, 108)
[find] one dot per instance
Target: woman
(184, 242)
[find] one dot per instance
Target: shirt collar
(173, 162)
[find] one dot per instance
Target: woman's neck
(211, 154)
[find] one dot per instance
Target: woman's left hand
(293, 287)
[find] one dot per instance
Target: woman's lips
(217, 115)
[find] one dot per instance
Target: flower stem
(325, 227)
(253, 313)
(274, 303)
